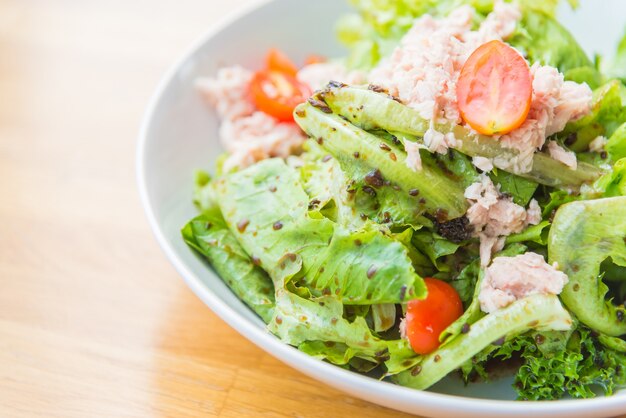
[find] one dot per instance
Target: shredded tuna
(555, 103)
(402, 326)
(256, 137)
(227, 92)
(424, 69)
(435, 141)
(495, 216)
(559, 153)
(413, 158)
(598, 144)
(508, 279)
(482, 163)
(423, 72)
(318, 75)
(246, 134)
(533, 213)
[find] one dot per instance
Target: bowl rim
(384, 393)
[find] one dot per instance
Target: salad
(448, 198)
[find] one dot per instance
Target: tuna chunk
(559, 153)
(246, 134)
(424, 69)
(495, 216)
(423, 72)
(508, 279)
(555, 102)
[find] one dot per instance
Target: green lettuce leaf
(541, 38)
(582, 236)
(534, 233)
(541, 312)
(616, 145)
(519, 188)
(607, 114)
(612, 183)
(434, 247)
(382, 166)
(327, 187)
(370, 111)
(363, 266)
(209, 235)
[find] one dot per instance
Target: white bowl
(179, 135)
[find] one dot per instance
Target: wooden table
(94, 322)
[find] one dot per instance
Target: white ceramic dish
(178, 136)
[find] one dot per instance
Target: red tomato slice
(277, 94)
(494, 89)
(314, 59)
(278, 61)
(426, 319)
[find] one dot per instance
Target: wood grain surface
(94, 322)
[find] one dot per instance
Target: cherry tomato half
(277, 94)
(426, 319)
(494, 89)
(278, 61)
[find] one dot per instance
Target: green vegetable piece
(370, 110)
(267, 210)
(582, 236)
(298, 320)
(577, 368)
(209, 235)
(613, 343)
(384, 316)
(606, 116)
(534, 233)
(542, 39)
(616, 145)
(435, 247)
(589, 75)
(437, 192)
(520, 189)
(326, 185)
(612, 183)
(540, 312)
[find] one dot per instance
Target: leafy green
(363, 266)
(520, 189)
(534, 233)
(209, 235)
(541, 312)
(616, 145)
(582, 236)
(203, 191)
(363, 154)
(370, 110)
(607, 115)
(327, 187)
(612, 183)
(587, 74)
(434, 247)
(542, 39)
(577, 367)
